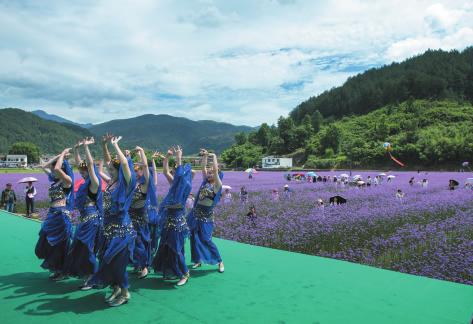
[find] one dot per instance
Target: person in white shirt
(30, 193)
(227, 196)
(400, 195)
(190, 201)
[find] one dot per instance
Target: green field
(260, 285)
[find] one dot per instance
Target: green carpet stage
(260, 285)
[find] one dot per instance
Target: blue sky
(244, 62)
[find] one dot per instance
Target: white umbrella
(357, 176)
(28, 179)
(225, 187)
(344, 175)
(391, 176)
(469, 180)
(250, 170)
(382, 174)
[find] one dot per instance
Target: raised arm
(155, 173)
(77, 158)
(94, 181)
(218, 182)
(102, 174)
(47, 167)
(144, 160)
(122, 158)
(205, 154)
(66, 179)
(106, 154)
(166, 172)
(178, 152)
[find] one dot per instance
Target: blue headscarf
(123, 194)
(83, 192)
(218, 195)
(66, 167)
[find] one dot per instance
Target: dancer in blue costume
(82, 260)
(144, 193)
(119, 235)
(170, 259)
(201, 218)
(153, 216)
(55, 233)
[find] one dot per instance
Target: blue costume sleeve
(123, 193)
(151, 193)
(178, 192)
(70, 196)
(83, 191)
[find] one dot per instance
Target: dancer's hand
(88, 141)
(115, 139)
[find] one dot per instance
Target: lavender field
(429, 232)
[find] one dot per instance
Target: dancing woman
(81, 261)
(201, 218)
(143, 194)
(55, 233)
(119, 235)
(169, 259)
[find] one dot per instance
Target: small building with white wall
(274, 162)
(16, 160)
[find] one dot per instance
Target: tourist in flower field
(227, 196)
(201, 218)
(170, 257)
(119, 235)
(81, 259)
(320, 203)
(144, 195)
(55, 233)
(400, 195)
(252, 214)
(8, 198)
(243, 195)
(287, 191)
(30, 193)
(275, 194)
(190, 202)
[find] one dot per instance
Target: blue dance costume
(170, 259)
(82, 260)
(55, 233)
(139, 217)
(118, 234)
(153, 216)
(201, 224)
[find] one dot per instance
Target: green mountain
(423, 106)
(432, 75)
(17, 125)
(422, 133)
(159, 132)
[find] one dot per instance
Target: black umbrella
(454, 182)
(337, 200)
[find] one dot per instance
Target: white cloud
(244, 62)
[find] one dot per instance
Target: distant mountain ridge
(44, 115)
(153, 132)
(51, 137)
(159, 132)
